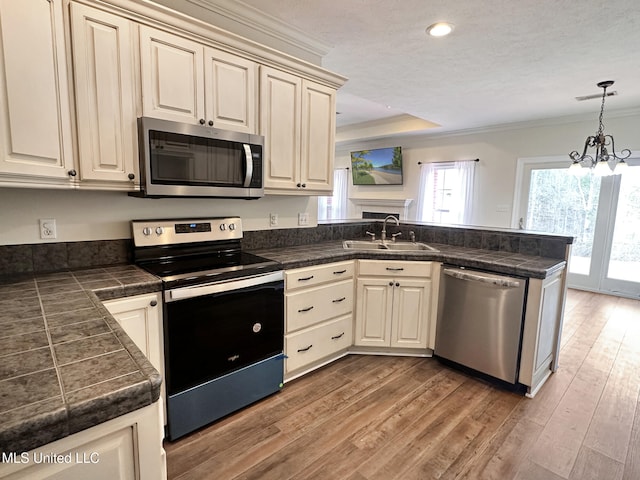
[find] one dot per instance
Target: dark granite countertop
(65, 363)
(495, 261)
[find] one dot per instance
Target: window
(446, 192)
(335, 207)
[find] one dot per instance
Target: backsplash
(51, 257)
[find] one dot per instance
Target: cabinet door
(35, 122)
(280, 114)
(411, 308)
(172, 76)
(141, 318)
(373, 312)
(105, 95)
(231, 91)
(318, 136)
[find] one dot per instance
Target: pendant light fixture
(600, 161)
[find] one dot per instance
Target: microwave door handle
(249, 163)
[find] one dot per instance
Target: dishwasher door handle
(478, 277)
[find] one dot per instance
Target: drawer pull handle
(338, 336)
(340, 272)
(305, 349)
(305, 309)
(392, 269)
(305, 279)
(338, 300)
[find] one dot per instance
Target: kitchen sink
(388, 246)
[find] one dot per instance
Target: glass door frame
(597, 279)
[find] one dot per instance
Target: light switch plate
(273, 219)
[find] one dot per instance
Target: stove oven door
(223, 348)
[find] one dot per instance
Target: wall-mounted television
(380, 166)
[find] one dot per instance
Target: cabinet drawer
(310, 276)
(313, 305)
(394, 268)
(317, 342)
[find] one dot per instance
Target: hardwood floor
(381, 417)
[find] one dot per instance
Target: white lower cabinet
(141, 318)
(318, 316)
(396, 303)
(125, 448)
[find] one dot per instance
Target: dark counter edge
(62, 421)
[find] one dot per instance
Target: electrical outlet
(48, 228)
(303, 219)
(273, 219)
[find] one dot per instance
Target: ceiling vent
(596, 95)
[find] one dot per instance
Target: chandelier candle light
(599, 163)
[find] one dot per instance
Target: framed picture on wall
(380, 166)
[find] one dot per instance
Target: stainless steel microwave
(184, 160)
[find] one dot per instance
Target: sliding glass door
(597, 211)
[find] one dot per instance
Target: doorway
(601, 213)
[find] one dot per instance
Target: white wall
(498, 151)
(92, 215)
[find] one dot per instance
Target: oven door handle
(220, 287)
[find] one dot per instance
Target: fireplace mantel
(390, 206)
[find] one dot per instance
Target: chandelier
(600, 161)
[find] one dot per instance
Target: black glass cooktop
(207, 267)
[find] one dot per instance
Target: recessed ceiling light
(439, 29)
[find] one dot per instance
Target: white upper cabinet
(230, 91)
(298, 122)
(35, 121)
(280, 121)
(172, 76)
(105, 95)
(188, 82)
(318, 136)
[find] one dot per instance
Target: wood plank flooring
(382, 417)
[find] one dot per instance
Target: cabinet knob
(304, 185)
(72, 173)
(298, 185)
(391, 284)
(153, 303)
(211, 123)
(131, 176)
(201, 121)
(397, 284)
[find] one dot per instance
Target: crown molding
(264, 23)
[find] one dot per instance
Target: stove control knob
(223, 227)
(232, 226)
(146, 231)
(159, 230)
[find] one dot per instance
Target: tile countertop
(495, 261)
(65, 363)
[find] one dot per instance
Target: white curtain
(445, 192)
(466, 175)
(426, 188)
(335, 207)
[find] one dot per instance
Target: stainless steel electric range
(223, 317)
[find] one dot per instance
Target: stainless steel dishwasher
(480, 318)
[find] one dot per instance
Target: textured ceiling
(506, 61)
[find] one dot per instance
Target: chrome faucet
(383, 235)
